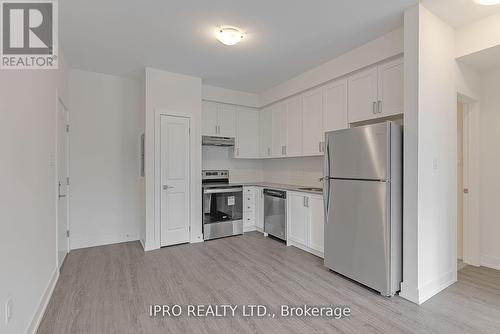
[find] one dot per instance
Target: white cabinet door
(227, 120)
(259, 208)
(298, 216)
(265, 129)
(294, 127)
(247, 133)
(390, 88)
(210, 114)
(316, 223)
(335, 105)
(312, 123)
(362, 95)
(278, 148)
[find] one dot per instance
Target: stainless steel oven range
(222, 205)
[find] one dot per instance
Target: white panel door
(278, 148)
(390, 88)
(210, 114)
(335, 105)
(312, 123)
(259, 207)
(62, 174)
(265, 129)
(175, 148)
(294, 127)
(227, 120)
(298, 218)
(362, 95)
(316, 223)
(247, 133)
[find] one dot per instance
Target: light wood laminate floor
(108, 289)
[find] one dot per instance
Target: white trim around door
(172, 179)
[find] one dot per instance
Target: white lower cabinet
(305, 222)
(253, 209)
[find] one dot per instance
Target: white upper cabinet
(294, 127)
(227, 120)
(335, 105)
(376, 92)
(265, 129)
(218, 119)
(210, 115)
(312, 123)
(279, 133)
(247, 133)
(390, 88)
(362, 95)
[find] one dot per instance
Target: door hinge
(67, 180)
(67, 127)
(67, 233)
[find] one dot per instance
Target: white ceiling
(285, 38)
(483, 60)
(459, 12)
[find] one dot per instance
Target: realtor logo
(29, 35)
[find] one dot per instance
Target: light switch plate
(8, 310)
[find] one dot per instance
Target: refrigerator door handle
(326, 179)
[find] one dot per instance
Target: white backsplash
(240, 170)
(303, 171)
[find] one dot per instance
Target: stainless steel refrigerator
(363, 205)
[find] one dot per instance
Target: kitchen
(329, 161)
(263, 169)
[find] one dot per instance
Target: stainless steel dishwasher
(275, 213)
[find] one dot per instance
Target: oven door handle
(222, 190)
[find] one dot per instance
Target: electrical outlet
(8, 310)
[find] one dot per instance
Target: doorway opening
(461, 188)
(62, 179)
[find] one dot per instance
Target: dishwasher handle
(275, 193)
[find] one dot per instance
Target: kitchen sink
(311, 189)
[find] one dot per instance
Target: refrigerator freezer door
(359, 153)
(357, 235)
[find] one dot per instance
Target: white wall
(224, 95)
(28, 192)
(370, 53)
(105, 199)
(478, 36)
(304, 171)
(433, 80)
(179, 94)
(489, 167)
(240, 170)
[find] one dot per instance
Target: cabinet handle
(268, 151)
(379, 106)
(284, 150)
(238, 151)
(374, 107)
(320, 146)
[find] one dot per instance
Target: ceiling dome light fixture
(487, 2)
(229, 35)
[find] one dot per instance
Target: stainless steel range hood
(217, 141)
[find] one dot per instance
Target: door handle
(166, 187)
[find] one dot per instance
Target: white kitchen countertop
(280, 186)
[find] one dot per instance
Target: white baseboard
(44, 301)
(490, 261)
(409, 293)
(435, 286)
(305, 248)
(100, 241)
